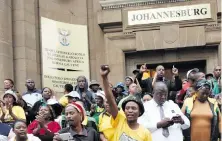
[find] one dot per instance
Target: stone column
(25, 43)
(219, 54)
(6, 50)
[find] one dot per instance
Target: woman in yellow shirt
(105, 128)
(9, 111)
(126, 126)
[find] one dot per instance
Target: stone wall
(6, 45)
(20, 53)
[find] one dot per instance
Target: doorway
(183, 67)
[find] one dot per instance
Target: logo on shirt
(125, 137)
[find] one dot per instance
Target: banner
(64, 53)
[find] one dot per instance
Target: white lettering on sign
(170, 14)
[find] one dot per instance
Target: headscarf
(203, 83)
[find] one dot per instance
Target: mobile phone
(66, 136)
(175, 117)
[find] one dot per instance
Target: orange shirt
(201, 116)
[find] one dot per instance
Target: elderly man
(163, 118)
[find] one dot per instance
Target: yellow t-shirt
(17, 110)
(105, 125)
(85, 121)
(124, 133)
(63, 101)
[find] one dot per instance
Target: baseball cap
(10, 92)
(101, 94)
(52, 101)
(195, 70)
(209, 74)
(129, 77)
(73, 94)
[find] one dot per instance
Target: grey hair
(160, 87)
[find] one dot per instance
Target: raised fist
(104, 70)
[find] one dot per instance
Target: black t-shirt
(89, 134)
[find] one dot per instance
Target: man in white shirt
(163, 118)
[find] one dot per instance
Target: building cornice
(118, 4)
(213, 27)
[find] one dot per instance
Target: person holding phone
(163, 118)
(75, 115)
(148, 84)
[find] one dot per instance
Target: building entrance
(183, 67)
(204, 58)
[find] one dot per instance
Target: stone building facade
(112, 40)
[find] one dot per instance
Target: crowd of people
(139, 109)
